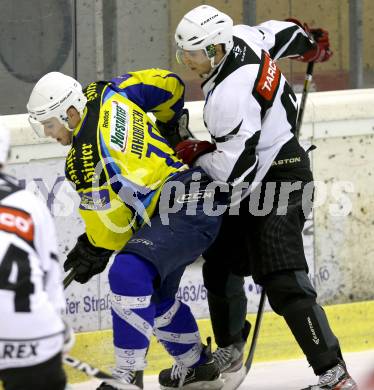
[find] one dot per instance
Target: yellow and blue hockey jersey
(118, 161)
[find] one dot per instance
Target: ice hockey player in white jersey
(32, 333)
(250, 112)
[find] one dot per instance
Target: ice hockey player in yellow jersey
(140, 203)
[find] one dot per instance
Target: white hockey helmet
(4, 144)
(51, 97)
(202, 28)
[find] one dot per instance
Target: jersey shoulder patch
(268, 78)
(18, 222)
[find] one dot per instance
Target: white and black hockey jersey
(31, 292)
(250, 109)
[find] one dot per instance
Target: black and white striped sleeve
(233, 118)
(284, 39)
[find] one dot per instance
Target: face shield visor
(195, 56)
(47, 128)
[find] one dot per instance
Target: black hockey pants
(45, 376)
(248, 248)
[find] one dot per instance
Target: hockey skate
(230, 363)
(337, 378)
(205, 376)
(127, 380)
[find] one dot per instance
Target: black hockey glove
(86, 260)
(176, 132)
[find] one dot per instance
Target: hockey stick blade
(95, 372)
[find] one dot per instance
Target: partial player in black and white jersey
(32, 333)
(250, 112)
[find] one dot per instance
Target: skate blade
(232, 380)
(209, 385)
(121, 386)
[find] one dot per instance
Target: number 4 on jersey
(15, 273)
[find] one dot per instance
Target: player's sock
(131, 282)
(177, 330)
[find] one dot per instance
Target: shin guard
(311, 330)
(292, 296)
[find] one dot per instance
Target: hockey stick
(307, 82)
(69, 278)
(91, 371)
(256, 331)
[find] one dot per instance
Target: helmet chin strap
(213, 66)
